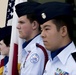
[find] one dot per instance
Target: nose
(18, 26)
(42, 34)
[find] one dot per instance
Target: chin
(47, 48)
(21, 37)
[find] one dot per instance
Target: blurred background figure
(5, 36)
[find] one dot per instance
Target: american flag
(16, 42)
(10, 10)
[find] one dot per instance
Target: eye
(47, 29)
(21, 22)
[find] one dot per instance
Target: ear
(63, 31)
(35, 25)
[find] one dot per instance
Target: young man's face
(3, 48)
(24, 27)
(52, 38)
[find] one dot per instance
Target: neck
(65, 42)
(32, 35)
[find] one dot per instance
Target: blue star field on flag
(9, 14)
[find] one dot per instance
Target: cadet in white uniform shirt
(35, 56)
(57, 33)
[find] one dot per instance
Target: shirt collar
(65, 53)
(27, 42)
(32, 44)
(56, 52)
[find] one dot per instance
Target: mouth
(19, 32)
(45, 42)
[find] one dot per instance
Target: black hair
(32, 17)
(65, 21)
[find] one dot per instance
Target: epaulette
(74, 56)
